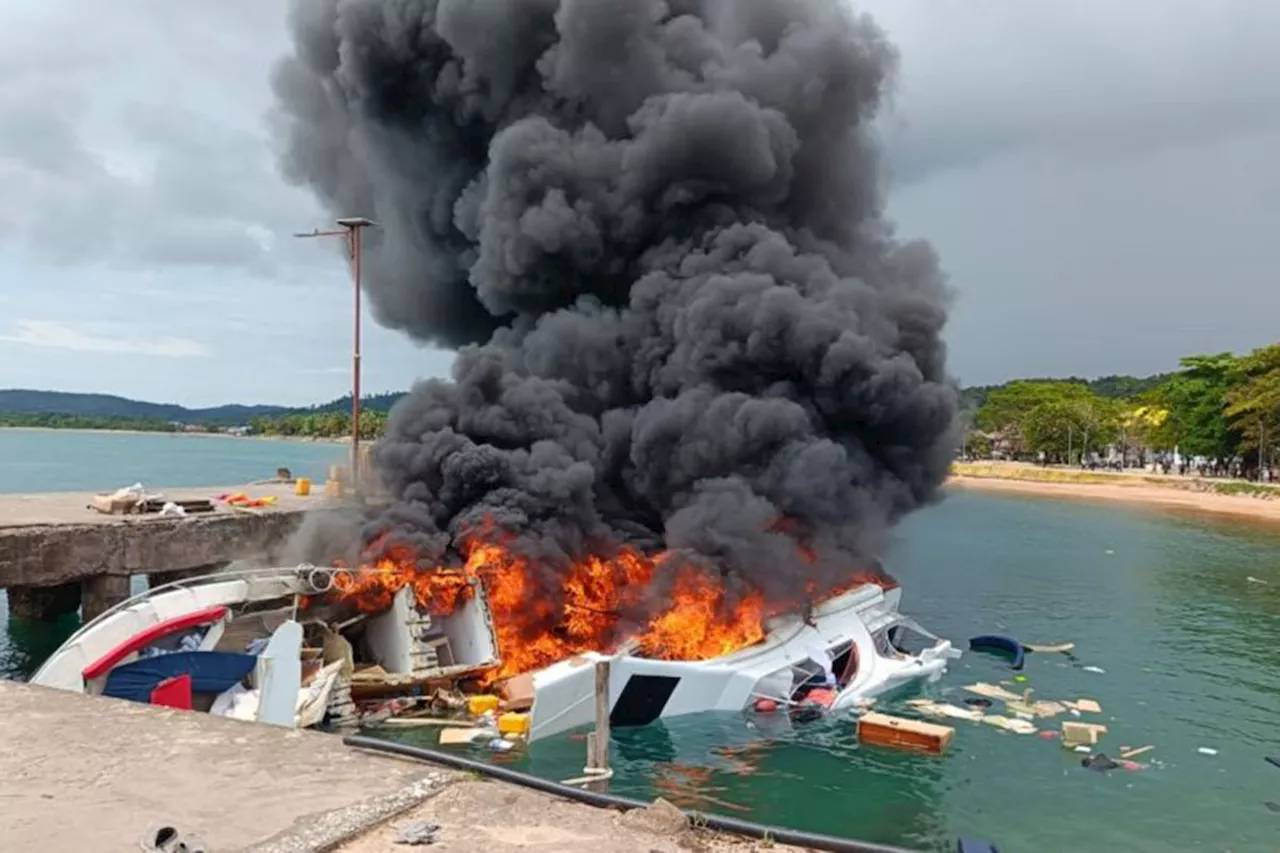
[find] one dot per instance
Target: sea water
(72, 460)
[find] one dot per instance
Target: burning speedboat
(849, 649)
(287, 646)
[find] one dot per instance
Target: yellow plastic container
(302, 487)
(513, 724)
(478, 705)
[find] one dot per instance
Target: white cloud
(53, 335)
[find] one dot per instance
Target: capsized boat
(268, 645)
(255, 645)
(848, 650)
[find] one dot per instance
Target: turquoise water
(1164, 604)
(68, 461)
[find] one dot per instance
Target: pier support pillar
(44, 603)
(102, 592)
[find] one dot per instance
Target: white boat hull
(642, 690)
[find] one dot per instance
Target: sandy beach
(1192, 495)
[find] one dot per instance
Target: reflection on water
(1189, 645)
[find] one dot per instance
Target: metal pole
(355, 362)
(351, 228)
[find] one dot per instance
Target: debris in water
(1100, 762)
(1088, 705)
(1133, 753)
(1252, 579)
(992, 691)
(941, 709)
(1021, 727)
(1074, 734)
(1207, 750)
(1060, 648)
(1096, 669)
(884, 730)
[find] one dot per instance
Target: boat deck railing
(318, 578)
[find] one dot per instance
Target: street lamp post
(351, 228)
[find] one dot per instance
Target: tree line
(373, 423)
(309, 424)
(58, 420)
(1222, 408)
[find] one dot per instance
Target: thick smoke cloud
(656, 230)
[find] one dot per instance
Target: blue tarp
(211, 672)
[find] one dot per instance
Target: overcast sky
(1101, 180)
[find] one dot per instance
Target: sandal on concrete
(161, 839)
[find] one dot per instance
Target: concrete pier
(85, 773)
(57, 555)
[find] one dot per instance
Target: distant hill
(27, 402)
(1110, 387)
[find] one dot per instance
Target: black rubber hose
(777, 834)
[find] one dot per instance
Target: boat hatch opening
(844, 662)
(903, 637)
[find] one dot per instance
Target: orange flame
(588, 612)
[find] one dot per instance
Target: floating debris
(1100, 762)
(1081, 734)
(900, 733)
(1059, 648)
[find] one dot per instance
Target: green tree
(1067, 429)
(1009, 404)
(1196, 398)
(1253, 402)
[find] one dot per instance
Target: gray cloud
(151, 153)
(988, 78)
(1098, 177)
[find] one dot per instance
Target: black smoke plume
(656, 230)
